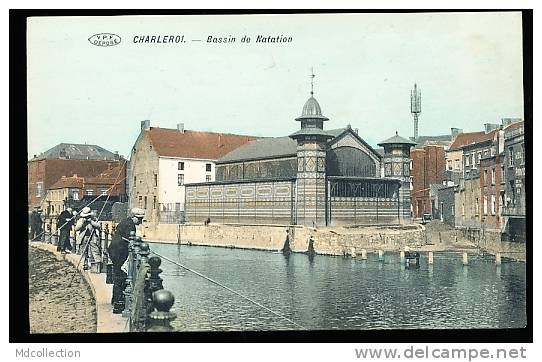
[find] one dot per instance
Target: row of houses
(482, 187)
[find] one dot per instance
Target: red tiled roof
(464, 139)
(514, 126)
(114, 172)
(194, 144)
(71, 182)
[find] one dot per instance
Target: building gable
(348, 138)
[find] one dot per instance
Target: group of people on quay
(89, 244)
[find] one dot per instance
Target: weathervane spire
(312, 81)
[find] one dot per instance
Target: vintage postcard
(277, 172)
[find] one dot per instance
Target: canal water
(328, 292)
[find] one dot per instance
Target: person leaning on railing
(88, 237)
(118, 253)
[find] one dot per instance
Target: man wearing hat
(118, 253)
(64, 223)
(88, 236)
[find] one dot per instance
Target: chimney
(180, 127)
(356, 130)
(146, 124)
(456, 131)
(490, 127)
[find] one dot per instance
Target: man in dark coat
(118, 253)
(35, 224)
(64, 223)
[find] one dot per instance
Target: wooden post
(498, 259)
(465, 259)
(380, 255)
(353, 252)
(402, 256)
(363, 254)
(430, 257)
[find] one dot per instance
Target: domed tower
(396, 163)
(311, 164)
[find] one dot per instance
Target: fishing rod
(117, 181)
(228, 289)
(94, 229)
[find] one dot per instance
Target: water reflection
(326, 292)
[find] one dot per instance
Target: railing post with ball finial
(160, 320)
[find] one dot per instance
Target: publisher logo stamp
(105, 39)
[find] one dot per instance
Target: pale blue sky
(468, 66)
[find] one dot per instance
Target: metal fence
(358, 201)
(171, 213)
(278, 211)
(250, 201)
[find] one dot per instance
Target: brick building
(492, 175)
(67, 191)
(454, 154)
(492, 191)
(479, 173)
(67, 160)
(514, 182)
(428, 166)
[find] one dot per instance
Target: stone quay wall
(491, 241)
(488, 240)
(331, 241)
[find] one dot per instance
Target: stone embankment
(442, 237)
(327, 240)
(434, 236)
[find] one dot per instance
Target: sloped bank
(100, 292)
(328, 240)
(55, 304)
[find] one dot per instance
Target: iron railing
(147, 303)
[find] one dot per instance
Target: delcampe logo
(104, 39)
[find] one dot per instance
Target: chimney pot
(146, 124)
(490, 127)
(180, 127)
(456, 131)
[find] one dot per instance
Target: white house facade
(163, 160)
